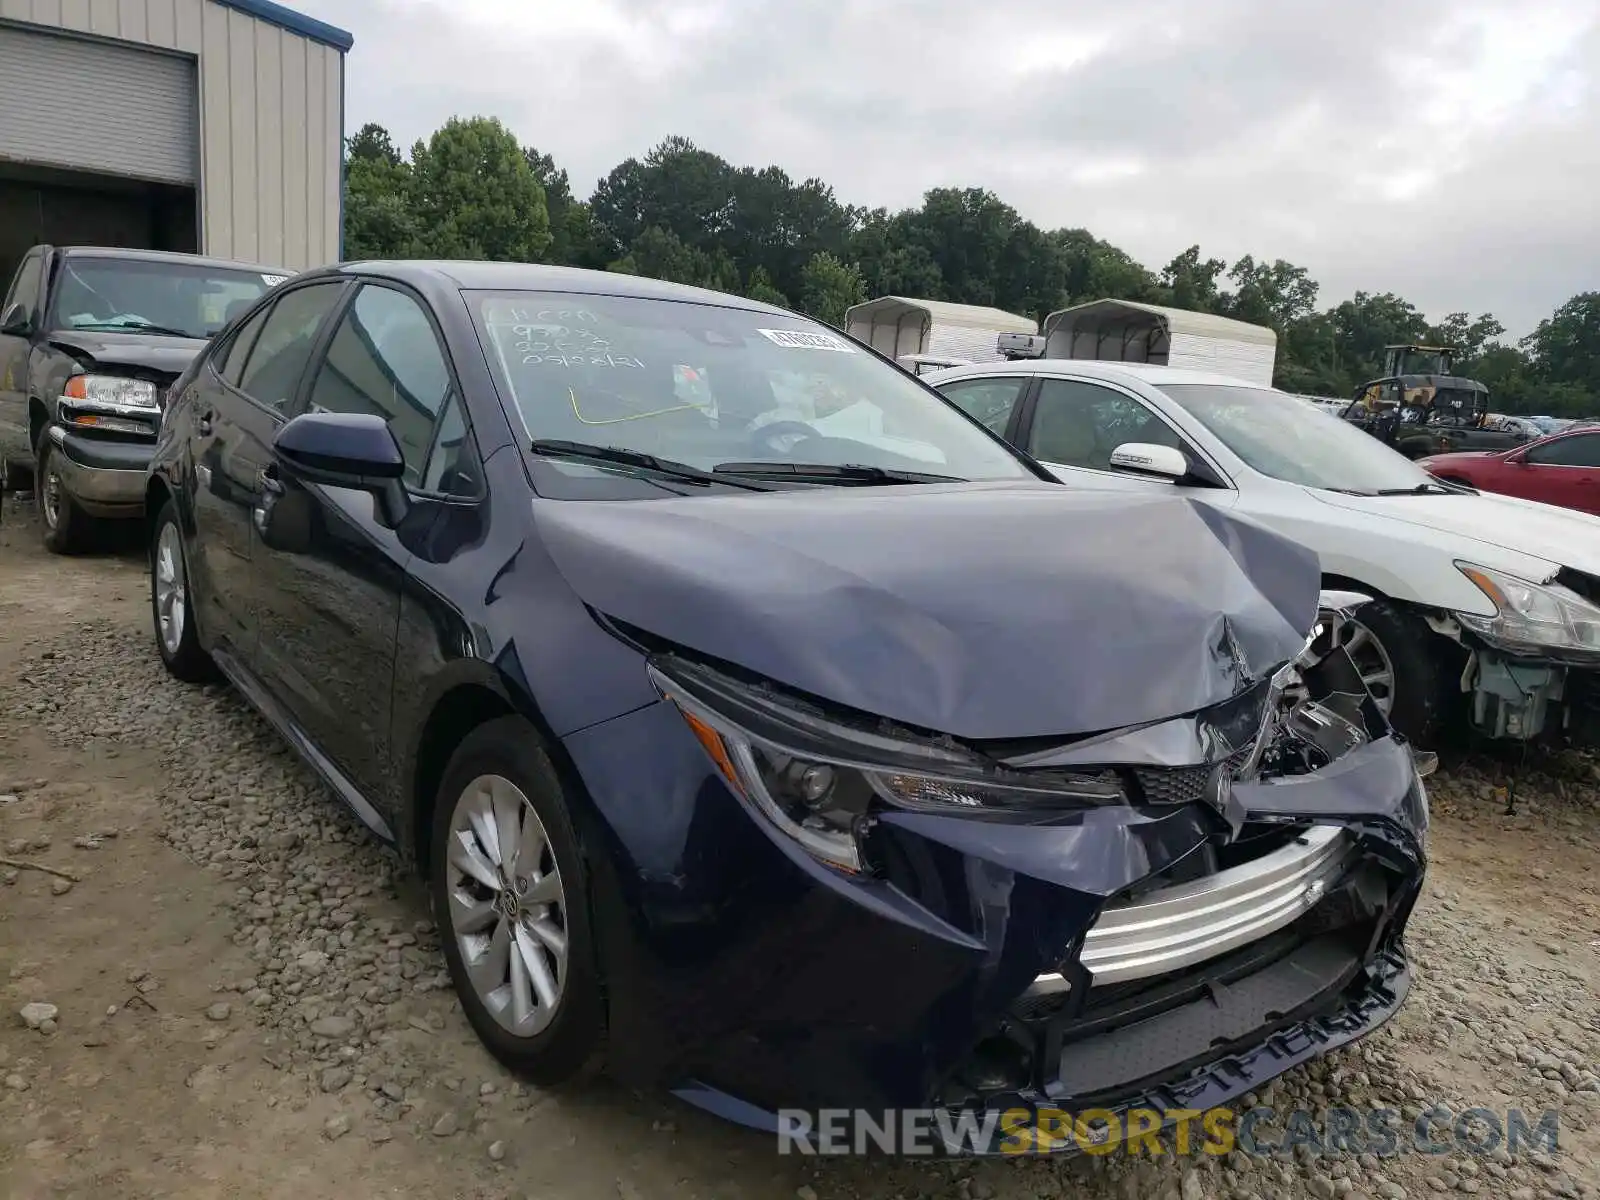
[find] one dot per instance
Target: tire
(1417, 699)
(554, 1043)
(66, 528)
(177, 637)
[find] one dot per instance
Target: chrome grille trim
(1177, 927)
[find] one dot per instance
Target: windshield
(708, 386)
(1295, 442)
(180, 299)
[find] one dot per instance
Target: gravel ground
(242, 997)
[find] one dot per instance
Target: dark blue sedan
(765, 727)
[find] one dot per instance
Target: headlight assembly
(110, 394)
(1543, 619)
(819, 781)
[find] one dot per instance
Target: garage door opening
(118, 172)
(73, 208)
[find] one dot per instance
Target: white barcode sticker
(806, 339)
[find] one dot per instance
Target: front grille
(1184, 785)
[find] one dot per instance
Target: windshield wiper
(623, 457)
(1421, 489)
(139, 327)
(831, 472)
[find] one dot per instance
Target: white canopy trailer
(898, 327)
(1128, 331)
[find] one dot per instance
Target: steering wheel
(767, 436)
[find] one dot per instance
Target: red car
(1562, 469)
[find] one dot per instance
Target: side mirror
(16, 322)
(346, 450)
(1148, 458)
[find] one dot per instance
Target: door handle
(204, 423)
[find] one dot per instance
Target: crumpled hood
(982, 611)
(1561, 536)
(157, 352)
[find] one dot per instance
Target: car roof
(191, 260)
(541, 277)
(1093, 368)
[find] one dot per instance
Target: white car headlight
(1533, 618)
(110, 393)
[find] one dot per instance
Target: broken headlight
(818, 779)
(1532, 618)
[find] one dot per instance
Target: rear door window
(989, 401)
(230, 363)
(1078, 424)
(279, 356)
(1580, 450)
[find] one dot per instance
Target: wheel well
(456, 714)
(1345, 583)
(155, 496)
(37, 418)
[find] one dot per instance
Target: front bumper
(752, 978)
(105, 478)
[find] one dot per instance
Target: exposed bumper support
(1179, 926)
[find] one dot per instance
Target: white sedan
(1487, 608)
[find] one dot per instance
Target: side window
(277, 360)
(385, 360)
(1079, 424)
(991, 401)
(1580, 451)
(453, 463)
(25, 287)
(230, 363)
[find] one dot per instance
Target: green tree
(1192, 282)
(829, 287)
(1365, 324)
(1470, 337)
(760, 287)
(476, 195)
(378, 218)
(684, 213)
(1565, 348)
(1275, 295)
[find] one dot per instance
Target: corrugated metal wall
(1241, 360)
(964, 341)
(270, 120)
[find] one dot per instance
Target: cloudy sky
(1447, 151)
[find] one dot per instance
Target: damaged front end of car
(1532, 668)
(1160, 917)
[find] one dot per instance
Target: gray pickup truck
(90, 340)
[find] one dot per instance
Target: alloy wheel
(1371, 661)
(171, 589)
(50, 497)
(507, 905)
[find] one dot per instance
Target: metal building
(214, 126)
(899, 326)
